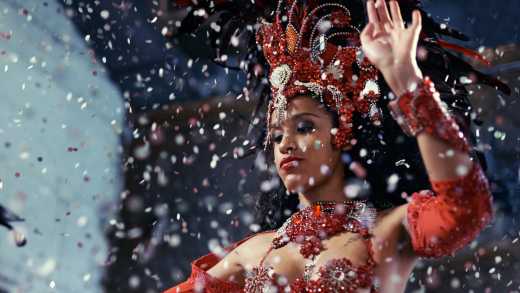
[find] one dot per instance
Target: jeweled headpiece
(315, 49)
(312, 46)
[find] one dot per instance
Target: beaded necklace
(320, 221)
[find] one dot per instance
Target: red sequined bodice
(308, 228)
(337, 275)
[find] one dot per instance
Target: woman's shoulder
(241, 256)
(250, 248)
(262, 237)
(393, 213)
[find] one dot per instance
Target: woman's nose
(287, 145)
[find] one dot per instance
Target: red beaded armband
(422, 110)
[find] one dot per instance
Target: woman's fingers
(372, 13)
(368, 33)
(416, 24)
(388, 27)
(382, 12)
(396, 14)
(416, 19)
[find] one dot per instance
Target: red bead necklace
(321, 220)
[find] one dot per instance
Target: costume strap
(370, 248)
(265, 255)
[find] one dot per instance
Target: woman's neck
(329, 190)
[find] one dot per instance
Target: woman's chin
(294, 183)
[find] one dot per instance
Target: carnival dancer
(344, 102)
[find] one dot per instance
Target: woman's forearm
(442, 160)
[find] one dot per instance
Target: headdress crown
(313, 47)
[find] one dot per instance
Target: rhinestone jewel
(280, 106)
(370, 86)
(259, 280)
(335, 71)
(280, 76)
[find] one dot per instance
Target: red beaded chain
(319, 221)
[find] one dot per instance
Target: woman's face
(302, 145)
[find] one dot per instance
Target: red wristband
(422, 110)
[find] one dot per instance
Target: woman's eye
(276, 137)
(305, 127)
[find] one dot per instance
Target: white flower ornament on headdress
(280, 76)
(279, 79)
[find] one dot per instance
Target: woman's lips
(290, 163)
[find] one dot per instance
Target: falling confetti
(109, 96)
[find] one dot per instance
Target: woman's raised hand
(390, 45)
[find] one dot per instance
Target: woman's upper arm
(229, 267)
(391, 237)
(240, 258)
(441, 222)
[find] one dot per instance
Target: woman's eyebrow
(295, 117)
(303, 114)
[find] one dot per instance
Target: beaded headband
(306, 61)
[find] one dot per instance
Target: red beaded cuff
(422, 110)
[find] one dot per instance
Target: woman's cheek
(310, 142)
(303, 145)
(317, 144)
(325, 170)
